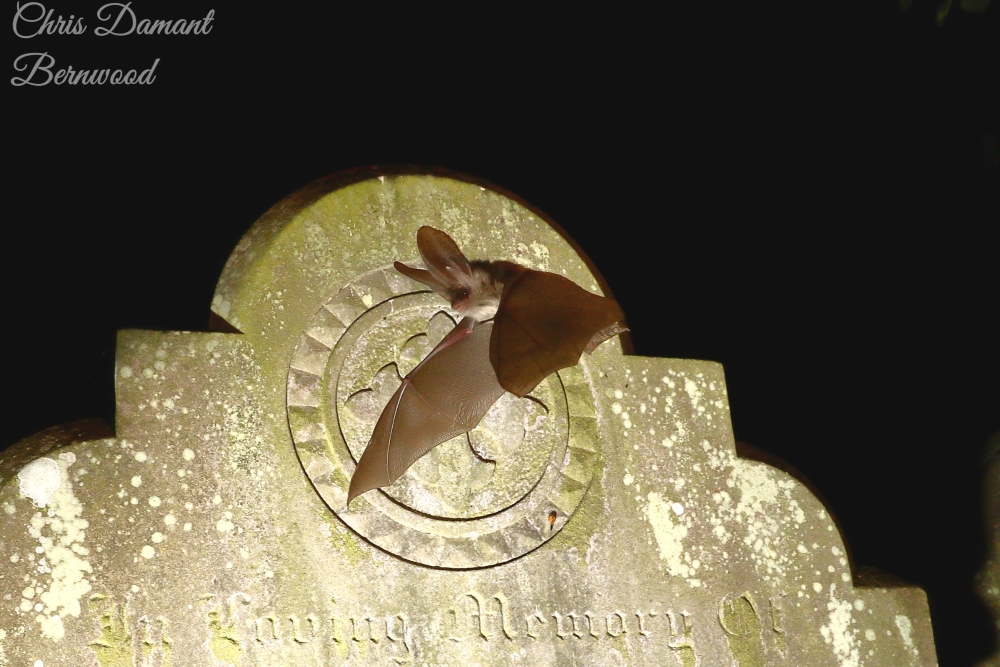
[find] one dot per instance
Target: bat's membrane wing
(446, 395)
(544, 323)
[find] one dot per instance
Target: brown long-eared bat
(518, 326)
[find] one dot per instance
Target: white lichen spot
(157, 538)
(154, 501)
(906, 632)
(870, 635)
(141, 457)
(838, 633)
(147, 552)
(216, 499)
(224, 525)
(60, 533)
(628, 479)
(8, 508)
(680, 431)
(667, 442)
(818, 587)
(170, 520)
(368, 300)
(541, 253)
(616, 408)
(669, 535)
(39, 480)
(187, 526)
(619, 394)
(694, 393)
(125, 372)
(137, 481)
(188, 454)
(802, 549)
(677, 508)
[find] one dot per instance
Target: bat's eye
(461, 300)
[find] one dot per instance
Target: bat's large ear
(424, 277)
(445, 262)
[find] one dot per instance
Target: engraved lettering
(372, 637)
(481, 614)
(337, 636)
(777, 624)
(224, 641)
(354, 629)
(275, 629)
(574, 630)
(739, 620)
(454, 625)
(404, 635)
(504, 615)
(590, 624)
(297, 628)
(642, 626)
(680, 638)
(536, 616)
(115, 643)
(622, 628)
(151, 646)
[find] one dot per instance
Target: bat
(518, 326)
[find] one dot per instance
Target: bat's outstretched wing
(544, 323)
(446, 395)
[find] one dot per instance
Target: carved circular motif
(479, 499)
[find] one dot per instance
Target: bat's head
(472, 288)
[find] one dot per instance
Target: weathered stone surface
(605, 520)
(988, 579)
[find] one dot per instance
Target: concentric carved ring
(477, 500)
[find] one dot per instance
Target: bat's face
(482, 298)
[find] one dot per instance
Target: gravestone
(603, 520)
(988, 577)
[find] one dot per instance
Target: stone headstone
(988, 577)
(603, 520)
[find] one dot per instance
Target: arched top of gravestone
(314, 241)
(312, 285)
